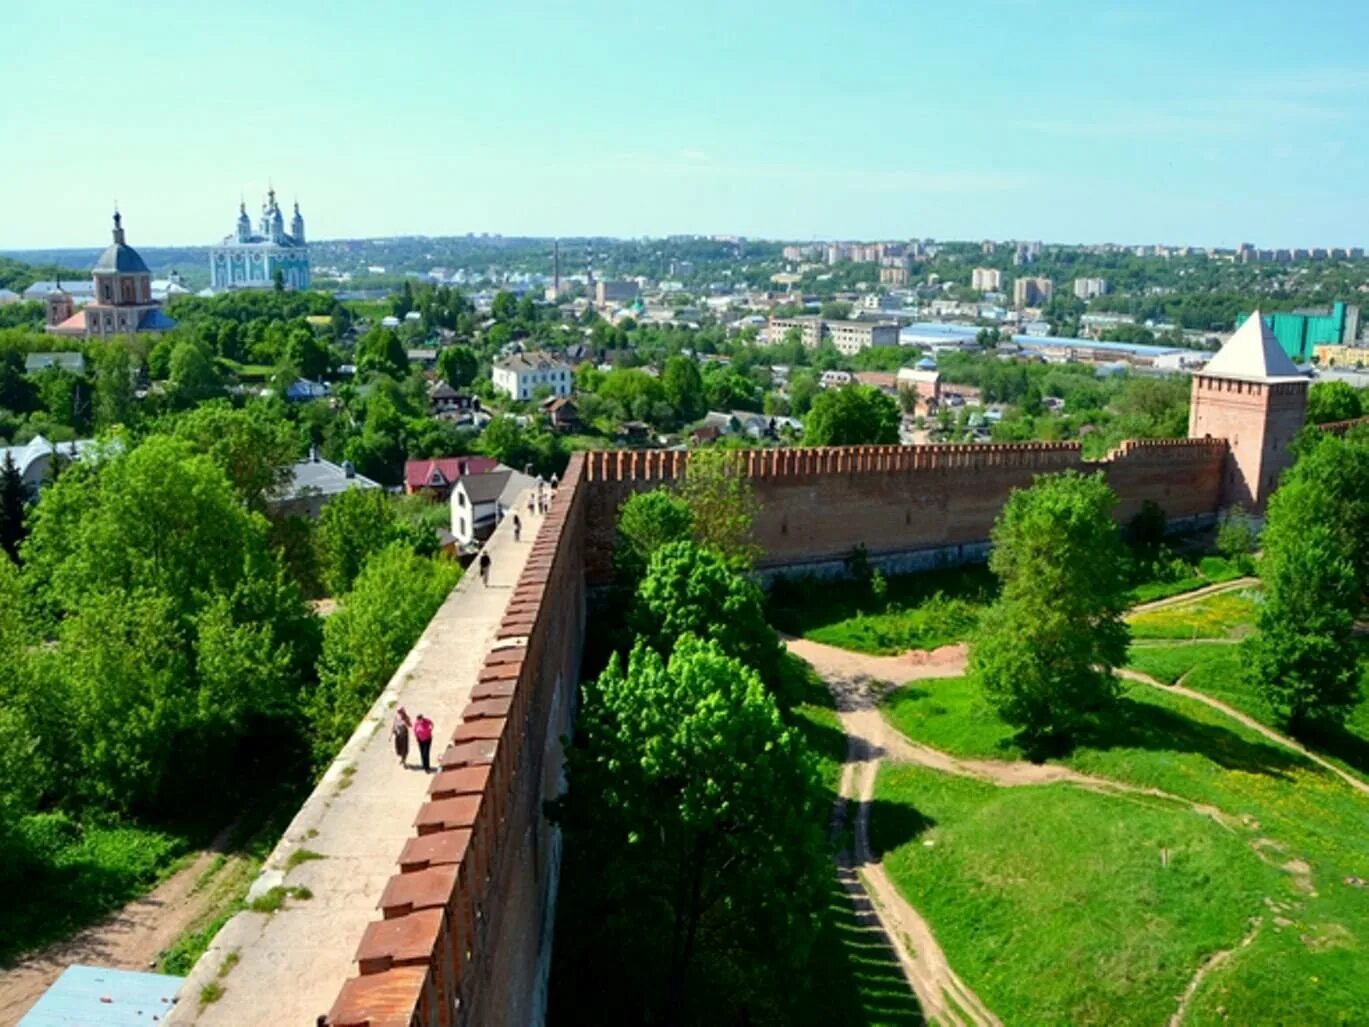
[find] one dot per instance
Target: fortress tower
(1251, 395)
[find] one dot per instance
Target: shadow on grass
(1338, 743)
(1141, 725)
(893, 824)
(862, 980)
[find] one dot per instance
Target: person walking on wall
(423, 734)
(485, 569)
(517, 528)
(399, 731)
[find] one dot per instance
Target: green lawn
(1168, 662)
(1311, 965)
(1063, 906)
(1224, 615)
(1210, 570)
(917, 611)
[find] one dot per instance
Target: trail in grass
(1248, 721)
(1196, 594)
(944, 997)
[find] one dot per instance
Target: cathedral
(123, 302)
(250, 260)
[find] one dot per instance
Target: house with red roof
(437, 478)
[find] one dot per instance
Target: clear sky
(1182, 121)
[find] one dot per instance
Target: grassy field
(1224, 615)
(1209, 570)
(1092, 909)
(1168, 662)
(916, 611)
(1309, 960)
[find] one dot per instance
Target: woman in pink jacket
(423, 734)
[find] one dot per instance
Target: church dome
(119, 256)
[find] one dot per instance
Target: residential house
(519, 375)
(437, 478)
(562, 412)
(885, 381)
(448, 403)
(481, 499)
(75, 363)
(313, 483)
(834, 379)
(8, 296)
(302, 390)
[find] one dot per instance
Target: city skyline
(1064, 121)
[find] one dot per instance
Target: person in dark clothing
(517, 528)
(423, 734)
(485, 568)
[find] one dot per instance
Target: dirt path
(131, 939)
(1195, 595)
(1268, 732)
(856, 682)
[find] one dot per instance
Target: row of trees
(692, 821)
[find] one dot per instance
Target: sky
(1203, 122)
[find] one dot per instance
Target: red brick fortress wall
(465, 927)
(819, 504)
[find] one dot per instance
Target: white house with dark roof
(522, 374)
(480, 501)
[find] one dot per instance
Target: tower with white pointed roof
(1252, 395)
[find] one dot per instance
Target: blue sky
(1202, 121)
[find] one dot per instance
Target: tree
(646, 522)
(380, 351)
(113, 385)
(192, 376)
(378, 621)
(684, 388)
(354, 525)
(1045, 651)
(1237, 539)
(504, 306)
(1333, 400)
(255, 449)
(723, 502)
(856, 415)
(1303, 657)
(699, 808)
(688, 589)
(13, 500)
(457, 365)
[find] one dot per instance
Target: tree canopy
(856, 415)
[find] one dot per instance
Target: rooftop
(1253, 354)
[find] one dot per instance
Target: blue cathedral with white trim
(250, 260)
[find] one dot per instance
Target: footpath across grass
(1064, 906)
(1309, 962)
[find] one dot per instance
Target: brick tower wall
(1259, 420)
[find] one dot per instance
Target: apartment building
(1032, 292)
(986, 279)
(849, 337)
(1088, 288)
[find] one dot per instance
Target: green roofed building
(1300, 331)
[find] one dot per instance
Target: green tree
(192, 376)
(378, 621)
(1334, 400)
(255, 448)
(504, 307)
(380, 351)
(688, 589)
(1045, 651)
(1237, 539)
(684, 387)
(457, 365)
(646, 522)
(113, 385)
(352, 527)
(1303, 657)
(803, 389)
(723, 502)
(700, 808)
(856, 415)
(13, 501)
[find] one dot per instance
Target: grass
(1309, 966)
(1170, 662)
(210, 993)
(916, 611)
(1224, 615)
(1209, 570)
(273, 901)
(302, 856)
(814, 716)
(1092, 909)
(76, 872)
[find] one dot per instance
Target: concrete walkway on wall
(290, 964)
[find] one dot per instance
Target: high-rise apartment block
(1032, 292)
(1088, 288)
(986, 279)
(895, 276)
